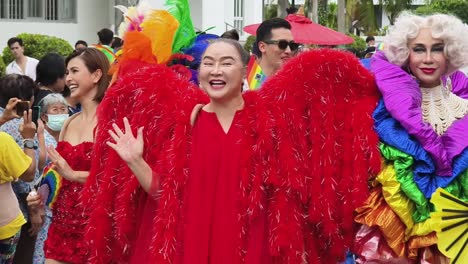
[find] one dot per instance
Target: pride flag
(53, 180)
(255, 75)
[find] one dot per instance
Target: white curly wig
(449, 29)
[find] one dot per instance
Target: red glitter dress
(65, 237)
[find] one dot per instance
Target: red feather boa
(309, 145)
(322, 103)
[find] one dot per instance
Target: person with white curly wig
(422, 124)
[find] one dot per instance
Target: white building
(81, 19)
(73, 20)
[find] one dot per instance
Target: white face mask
(56, 121)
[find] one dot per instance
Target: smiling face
(221, 72)
(82, 82)
(271, 53)
(427, 60)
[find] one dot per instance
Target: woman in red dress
(88, 80)
(211, 227)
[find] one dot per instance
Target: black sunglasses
(283, 44)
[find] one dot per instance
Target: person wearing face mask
(54, 112)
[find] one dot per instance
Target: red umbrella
(307, 32)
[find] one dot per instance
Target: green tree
(271, 11)
(36, 46)
(367, 18)
(357, 47)
(248, 46)
(394, 8)
(2, 67)
(458, 8)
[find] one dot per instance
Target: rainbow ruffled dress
(397, 216)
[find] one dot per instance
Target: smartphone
(36, 112)
(22, 106)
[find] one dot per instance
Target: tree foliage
(458, 8)
(357, 47)
(395, 7)
(2, 67)
(36, 46)
(271, 11)
(248, 46)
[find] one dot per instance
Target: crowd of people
(280, 156)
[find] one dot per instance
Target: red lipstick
(428, 70)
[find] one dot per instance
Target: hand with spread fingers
(129, 148)
(60, 164)
(27, 129)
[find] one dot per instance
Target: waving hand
(129, 147)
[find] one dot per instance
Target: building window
(11, 9)
(67, 9)
(34, 8)
(51, 8)
(48, 10)
(239, 16)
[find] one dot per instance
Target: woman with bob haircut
(87, 78)
(421, 122)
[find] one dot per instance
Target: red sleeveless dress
(65, 237)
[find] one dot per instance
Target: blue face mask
(56, 121)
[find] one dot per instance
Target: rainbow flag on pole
(255, 75)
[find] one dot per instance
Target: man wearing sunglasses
(274, 46)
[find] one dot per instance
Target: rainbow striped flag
(53, 180)
(255, 75)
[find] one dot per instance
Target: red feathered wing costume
(308, 141)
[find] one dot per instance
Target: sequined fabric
(65, 238)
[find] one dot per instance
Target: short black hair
(231, 34)
(13, 40)
(50, 68)
(16, 85)
(105, 36)
(370, 38)
(264, 30)
(82, 42)
(117, 43)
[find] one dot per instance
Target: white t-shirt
(31, 64)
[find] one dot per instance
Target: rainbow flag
(53, 180)
(380, 46)
(255, 75)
